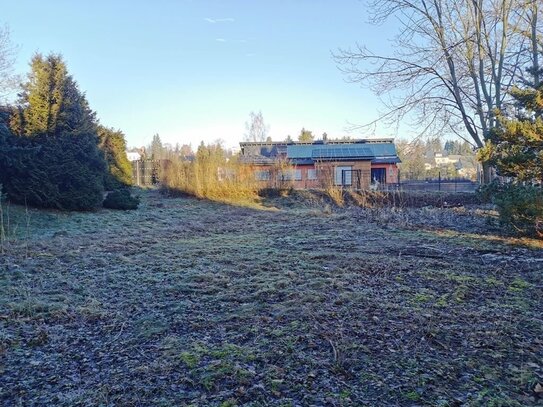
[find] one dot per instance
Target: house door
(343, 175)
(379, 175)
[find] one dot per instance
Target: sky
(192, 71)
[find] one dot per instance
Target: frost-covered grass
(188, 302)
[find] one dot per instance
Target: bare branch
(453, 62)
(7, 60)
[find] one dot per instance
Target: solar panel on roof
(343, 152)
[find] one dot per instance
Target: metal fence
(443, 185)
(146, 172)
(359, 179)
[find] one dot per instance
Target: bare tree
(453, 63)
(7, 60)
(534, 33)
(256, 129)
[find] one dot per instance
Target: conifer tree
(516, 145)
(516, 149)
(53, 119)
(156, 148)
(113, 145)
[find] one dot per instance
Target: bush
(486, 192)
(62, 172)
(121, 199)
(520, 207)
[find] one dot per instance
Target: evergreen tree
(53, 119)
(4, 130)
(6, 148)
(113, 145)
(449, 147)
(157, 149)
(516, 145)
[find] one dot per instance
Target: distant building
(444, 161)
(133, 156)
(352, 163)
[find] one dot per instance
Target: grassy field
(187, 302)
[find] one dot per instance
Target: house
(464, 165)
(317, 164)
(446, 160)
(133, 156)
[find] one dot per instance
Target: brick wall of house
(361, 176)
(322, 174)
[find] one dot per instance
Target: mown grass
(187, 302)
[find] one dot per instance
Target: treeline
(54, 153)
(158, 150)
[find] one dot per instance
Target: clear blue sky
(193, 70)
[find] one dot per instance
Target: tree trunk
(488, 173)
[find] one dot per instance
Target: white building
(133, 156)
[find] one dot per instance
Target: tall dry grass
(218, 176)
(327, 180)
(211, 175)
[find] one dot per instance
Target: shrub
(520, 207)
(121, 199)
(62, 172)
(486, 192)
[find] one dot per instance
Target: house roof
(381, 151)
(317, 142)
(336, 152)
(325, 152)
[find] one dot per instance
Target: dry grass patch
(188, 302)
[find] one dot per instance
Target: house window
(312, 174)
(378, 175)
(292, 175)
(343, 175)
(262, 175)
